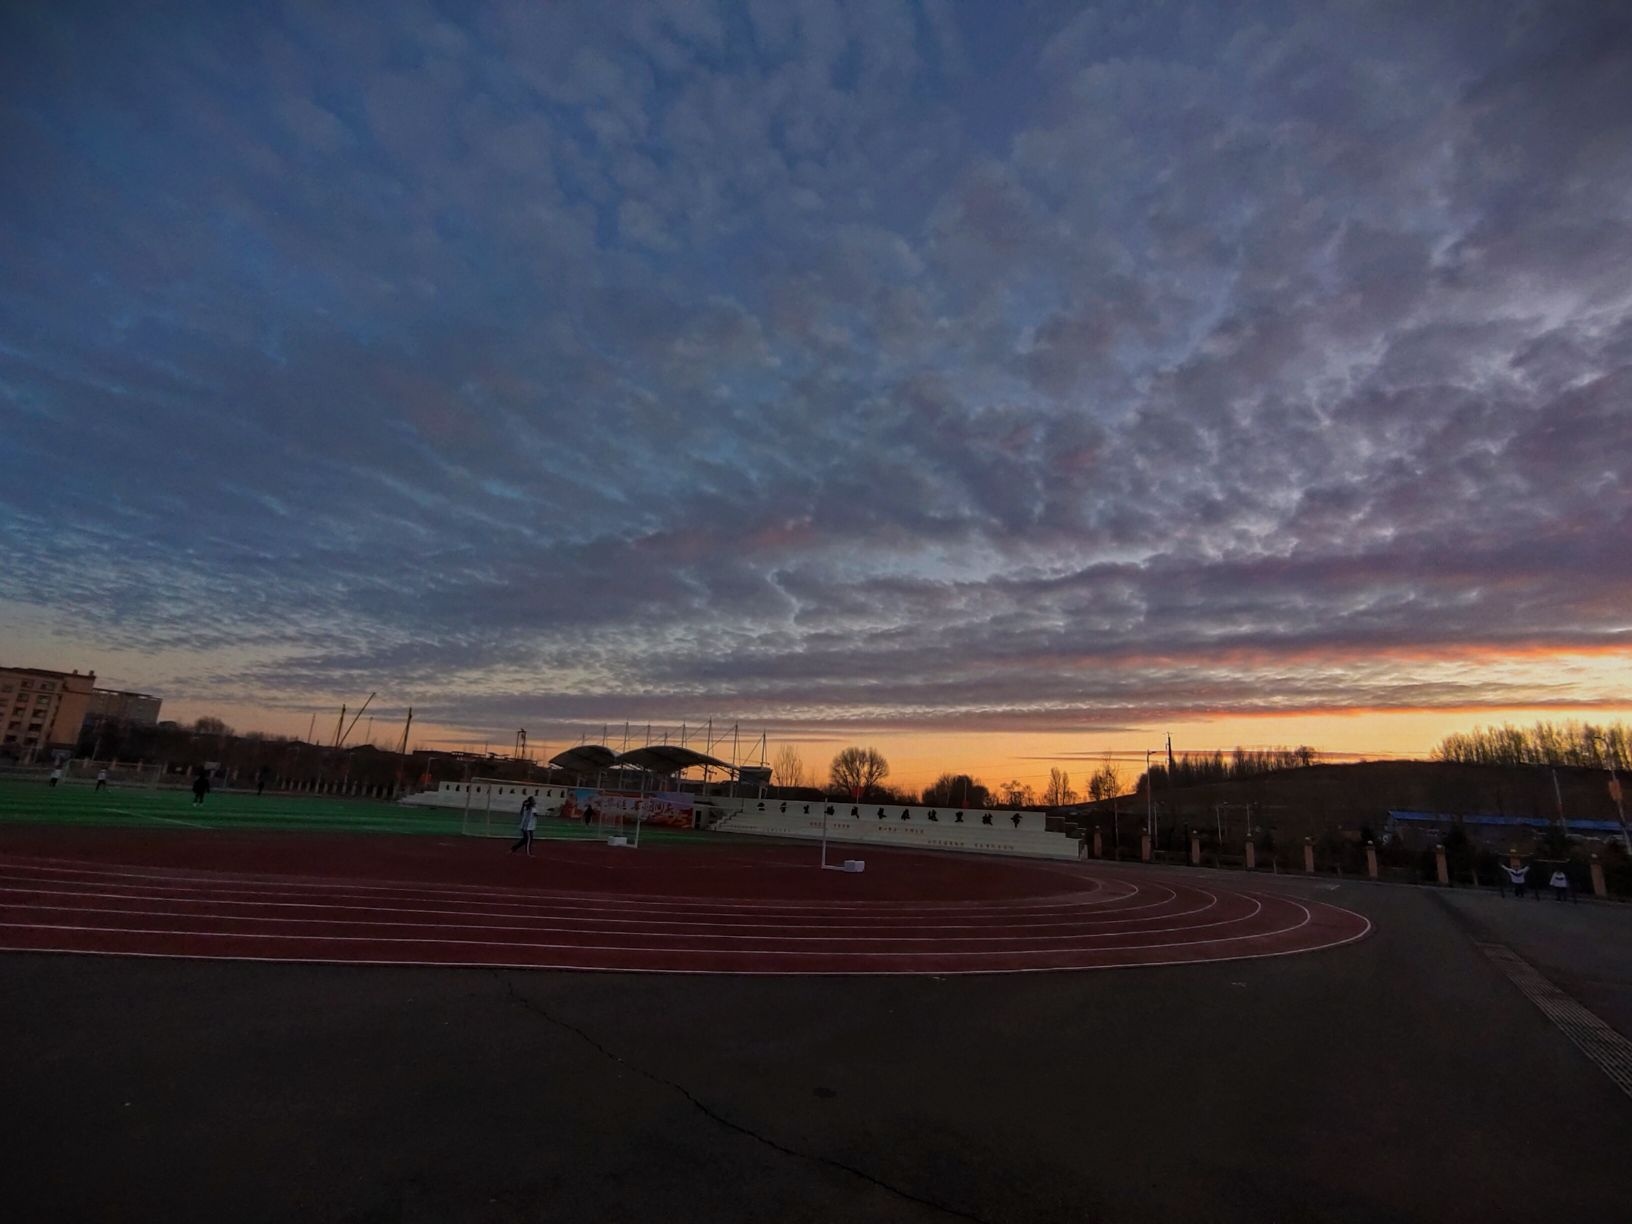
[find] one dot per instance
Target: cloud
(818, 363)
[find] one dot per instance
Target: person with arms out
(1516, 876)
(529, 822)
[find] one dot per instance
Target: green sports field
(78, 803)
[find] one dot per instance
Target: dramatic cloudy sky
(1052, 370)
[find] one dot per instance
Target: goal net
(492, 808)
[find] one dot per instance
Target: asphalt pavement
(1400, 1078)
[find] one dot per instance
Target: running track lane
(1101, 922)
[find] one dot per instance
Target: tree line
(1582, 744)
(862, 772)
(1201, 768)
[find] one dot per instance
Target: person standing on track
(529, 822)
(101, 779)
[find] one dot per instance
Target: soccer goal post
(492, 808)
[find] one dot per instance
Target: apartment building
(42, 710)
(116, 705)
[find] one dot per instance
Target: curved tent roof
(585, 759)
(667, 759)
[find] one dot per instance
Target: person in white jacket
(529, 822)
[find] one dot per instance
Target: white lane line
(760, 936)
(95, 867)
(622, 949)
(1611, 1051)
(242, 958)
(609, 900)
(549, 898)
(335, 900)
(561, 912)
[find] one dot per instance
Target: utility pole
(402, 753)
(346, 734)
(1150, 798)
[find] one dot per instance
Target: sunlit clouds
(926, 368)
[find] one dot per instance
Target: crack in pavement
(539, 1010)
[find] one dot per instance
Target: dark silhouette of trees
(1017, 794)
(1106, 782)
(856, 770)
(1570, 743)
(1200, 768)
(788, 768)
(957, 791)
(1059, 792)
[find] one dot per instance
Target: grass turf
(142, 807)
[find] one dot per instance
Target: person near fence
(201, 786)
(529, 822)
(1560, 884)
(101, 779)
(56, 776)
(1517, 876)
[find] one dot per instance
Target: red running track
(591, 907)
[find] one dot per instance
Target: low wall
(504, 795)
(974, 830)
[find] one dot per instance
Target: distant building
(41, 711)
(115, 705)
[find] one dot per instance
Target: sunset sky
(1001, 384)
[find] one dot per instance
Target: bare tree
(1017, 794)
(1106, 782)
(1059, 792)
(858, 770)
(957, 791)
(788, 768)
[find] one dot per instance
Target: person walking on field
(201, 787)
(529, 822)
(101, 779)
(56, 776)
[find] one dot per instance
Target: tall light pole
(1150, 797)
